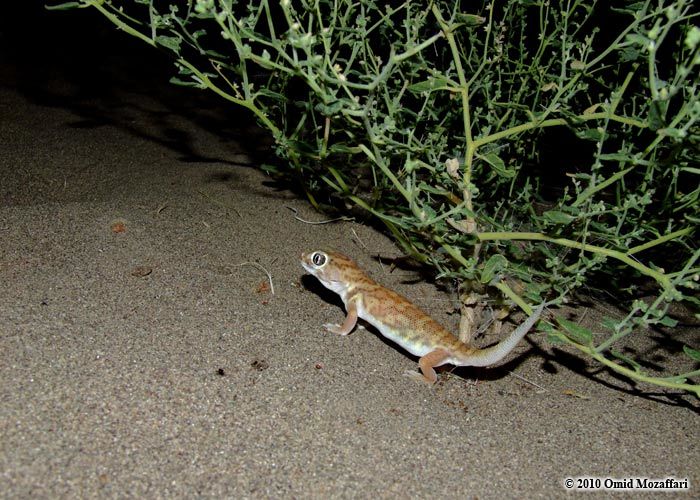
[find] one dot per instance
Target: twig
(526, 380)
(358, 238)
(269, 276)
(349, 219)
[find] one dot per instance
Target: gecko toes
(417, 376)
(330, 327)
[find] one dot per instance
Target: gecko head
(327, 267)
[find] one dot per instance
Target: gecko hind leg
(427, 364)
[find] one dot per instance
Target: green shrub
(512, 145)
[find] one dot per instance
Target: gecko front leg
(348, 324)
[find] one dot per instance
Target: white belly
(415, 348)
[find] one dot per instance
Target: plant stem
(632, 374)
(662, 279)
(551, 122)
(242, 102)
(663, 239)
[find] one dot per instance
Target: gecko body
(399, 320)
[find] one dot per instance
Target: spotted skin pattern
(400, 320)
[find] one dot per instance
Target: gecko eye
(319, 258)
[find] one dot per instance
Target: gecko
(400, 320)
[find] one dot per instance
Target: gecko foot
(333, 328)
(417, 376)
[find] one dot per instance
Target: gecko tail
(494, 354)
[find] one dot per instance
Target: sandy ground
(143, 359)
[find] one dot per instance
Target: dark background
(79, 61)
(77, 45)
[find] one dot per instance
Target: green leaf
(204, 6)
(623, 157)
(170, 42)
(554, 336)
(577, 333)
(609, 323)
(577, 65)
(558, 217)
(183, 83)
(329, 109)
(271, 169)
(692, 38)
(498, 165)
(272, 95)
(673, 132)
(591, 134)
(632, 8)
(66, 6)
(669, 322)
(628, 54)
(691, 299)
(694, 354)
(469, 19)
(657, 112)
(428, 85)
(637, 367)
(492, 267)
(636, 39)
(341, 148)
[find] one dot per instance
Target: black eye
(318, 258)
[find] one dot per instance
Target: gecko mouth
(307, 267)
